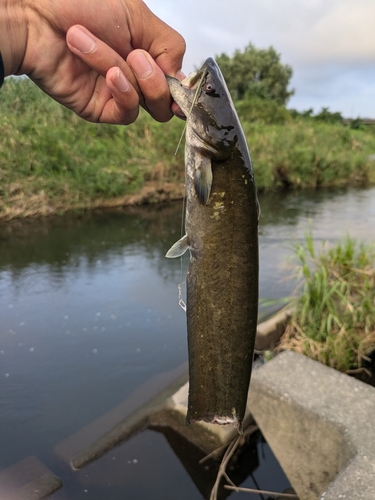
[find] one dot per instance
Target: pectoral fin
(203, 180)
(179, 248)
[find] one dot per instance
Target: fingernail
(119, 81)
(80, 40)
(180, 75)
(141, 65)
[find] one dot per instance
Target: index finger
(164, 44)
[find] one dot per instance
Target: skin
(100, 58)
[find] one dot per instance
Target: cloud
(330, 44)
(342, 32)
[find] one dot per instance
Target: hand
(100, 58)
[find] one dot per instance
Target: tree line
(260, 86)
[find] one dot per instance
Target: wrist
(13, 35)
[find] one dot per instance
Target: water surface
(89, 311)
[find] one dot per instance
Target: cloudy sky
(330, 44)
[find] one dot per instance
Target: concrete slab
(28, 479)
(270, 331)
(319, 424)
(121, 422)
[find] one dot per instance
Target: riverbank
(52, 162)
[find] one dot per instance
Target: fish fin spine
(179, 248)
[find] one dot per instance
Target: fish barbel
(221, 223)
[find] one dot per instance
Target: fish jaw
(181, 94)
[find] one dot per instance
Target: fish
(221, 224)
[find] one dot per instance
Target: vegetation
(52, 161)
(302, 153)
(334, 314)
(50, 158)
(256, 73)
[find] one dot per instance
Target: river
(89, 311)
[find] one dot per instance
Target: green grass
(50, 154)
(52, 160)
(303, 153)
(334, 312)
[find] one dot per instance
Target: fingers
(152, 83)
(165, 45)
(124, 107)
(112, 97)
(139, 80)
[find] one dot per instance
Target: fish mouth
(192, 80)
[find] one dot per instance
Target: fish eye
(209, 87)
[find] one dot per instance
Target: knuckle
(129, 118)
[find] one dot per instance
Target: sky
(330, 44)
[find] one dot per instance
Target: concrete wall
(320, 425)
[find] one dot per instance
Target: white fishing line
(181, 302)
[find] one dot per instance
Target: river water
(89, 311)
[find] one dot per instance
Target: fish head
(212, 122)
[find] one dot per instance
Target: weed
(334, 312)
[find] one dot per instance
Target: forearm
(13, 35)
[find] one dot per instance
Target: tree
(256, 73)
(328, 116)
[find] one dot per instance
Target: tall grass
(48, 151)
(334, 313)
(50, 157)
(303, 153)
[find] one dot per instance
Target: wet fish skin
(222, 235)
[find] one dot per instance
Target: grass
(51, 157)
(302, 153)
(334, 312)
(51, 160)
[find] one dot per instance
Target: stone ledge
(28, 479)
(319, 424)
(123, 421)
(270, 331)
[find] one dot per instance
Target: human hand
(99, 58)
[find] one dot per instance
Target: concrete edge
(270, 331)
(123, 421)
(28, 479)
(318, 423)
(135, 422)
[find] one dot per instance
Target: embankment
(51, 161)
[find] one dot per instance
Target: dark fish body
(222, 236)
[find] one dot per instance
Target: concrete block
(120, 423)
(270, 331)
(28, 479)
(319, 424)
